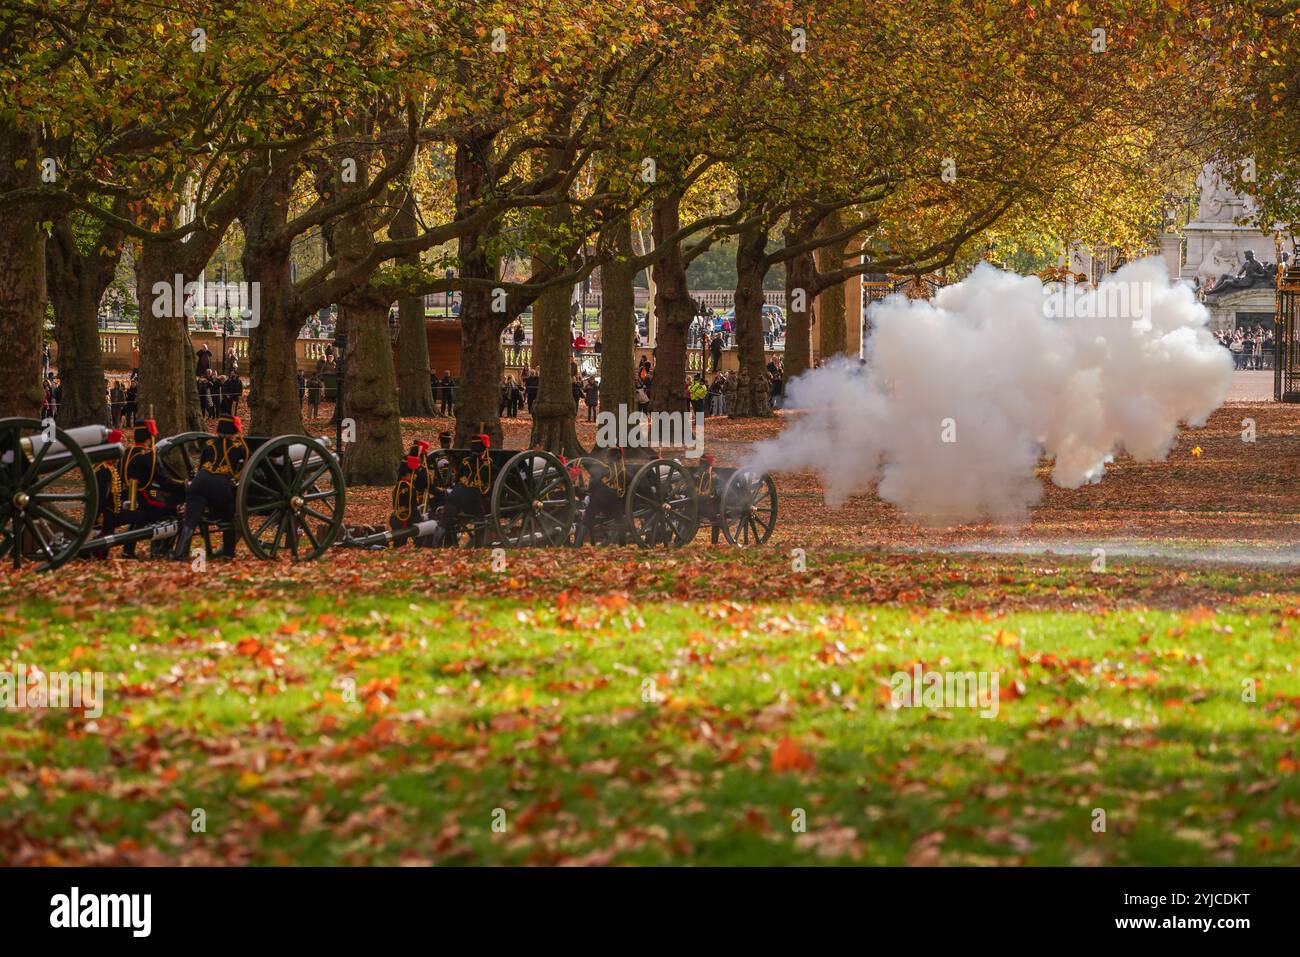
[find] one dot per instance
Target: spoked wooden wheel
(748, 510)
(533, 501)
(178, 455)
(291, 496)
(48, 495)
(661, 505)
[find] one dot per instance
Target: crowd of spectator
(1252, 348)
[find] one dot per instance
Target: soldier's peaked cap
(145, 430)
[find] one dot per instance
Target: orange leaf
(788, 757)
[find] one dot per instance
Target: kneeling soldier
(151, 495)
(605, 496)
(709, 493)
(406, 510)
(211, 493)
(469, 493)
(108, 480)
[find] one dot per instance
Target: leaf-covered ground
(615, 706)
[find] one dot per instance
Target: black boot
(229, 541)
(181, 553)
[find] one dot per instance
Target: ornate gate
(1286, 376)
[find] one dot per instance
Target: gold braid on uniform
(402, 512)
(619, 485)
(135, 453)
(704, 484)
(224, 467)
(480, 481)
(114, 503)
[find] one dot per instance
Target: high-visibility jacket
(698, 390)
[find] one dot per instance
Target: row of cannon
(290, 498)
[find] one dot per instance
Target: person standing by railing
(448, 404)
(116, 398)
(231, 392)
(315, 392)
(532, 383)
(517, 334)
(715, 393)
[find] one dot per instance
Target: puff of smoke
(962, 395)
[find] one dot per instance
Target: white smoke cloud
(1022, 371)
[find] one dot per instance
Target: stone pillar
(1171, 251)
(853, 303)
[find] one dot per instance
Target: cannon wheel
(662, 508)
(280, 502)
(748, 509)
(45, 517)
(180, 454)
(533, 501)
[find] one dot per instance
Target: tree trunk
(415, 394)
(674, 310)
(618, 323)
(555, 414)
(799, 276)
(370, 399)
(22, 276)
(81, 363)
(76, 285)
(554, 411)
(189, 378)
(272, 364)
(753, 397)
(833, 338)
(478, 392)
(166, 353)
(162, 394)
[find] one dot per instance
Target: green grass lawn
(684, 720)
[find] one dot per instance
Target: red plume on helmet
(486, 440)
(412, 462)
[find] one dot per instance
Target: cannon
(665, 501)
(289, 498)
(539, 500)
(532, 503)
(48, 493)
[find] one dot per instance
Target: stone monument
(1229, 261)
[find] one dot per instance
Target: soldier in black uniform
(211, 493)
(470, 492)
(108, 479)
(604, 495)
(149, 494)
(406, 508)
(709, 491)
(422, 478)
(436, 496)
